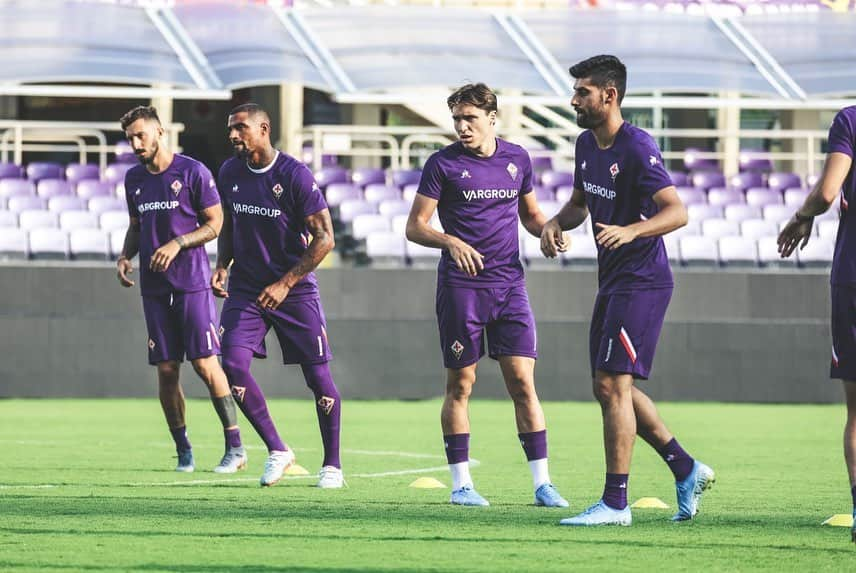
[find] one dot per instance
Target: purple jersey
(167, 205)
(477, 202)
(619, 184)
(842, 139)
(268, 208)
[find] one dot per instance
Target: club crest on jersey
(457, 349)
(176, 187)
(613, 171)
(277, 190)
(512, 170)
(326, 403)
(238, 392)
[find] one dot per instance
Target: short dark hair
(251, 109)
(478, 95)
(139, 112)
(604, 71)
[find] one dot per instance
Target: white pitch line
(24, 486)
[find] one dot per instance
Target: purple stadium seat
(692, 161)
(692, 227)
(707, 179)
(77, 172)
(377, 192)
(115, 172)
(761, 197)
(90, 244)
(564, 193)
(582, 252)
(745, 180)
(33, 219)
(385, 247)
(543, 194)
(367, 176)
(827, 229)
(16, 188)
(778, 213)
(119, 190)
(780, 181)
(362, 225)
(350, 208)
(421, 256)
(392, 207)
(716, 228)
(338, 192)
(795, 196)
(742, 212)
(768, 253)
(39, 170)
(738, 251)
(811, 181)
(124, 152)
(756, 228)
(702, 212)
(48, 188)
(402, 177)
(11, 171)
(70, 220)
(62, 203)
(48, 243)
(541, 163)
(679, 178)
(13, 243)
(698, 251)
(113, 220)
(25, 202)
(721, 196)
(101, 204)
(409, 192)
(692, 196)
(89, 188)
(553, 179)
(817, 253)
(754, 161)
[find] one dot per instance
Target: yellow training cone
(427, 483)
(649, 503)
(296, 470)
(840, 520)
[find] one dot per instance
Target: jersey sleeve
(652, 175)
(431, 182)
(203, 188)
(133, 212)
(841, 135)
(307, 194)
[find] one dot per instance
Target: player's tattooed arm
(211, 221)
(571, 216)
(130, 248)
(320, 226)
(419, 230)
(225, 254)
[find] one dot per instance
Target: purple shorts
(624, 331)
(463, 315)
(181, 324)
(843, 363)
(299, 325)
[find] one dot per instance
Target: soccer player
(174, 209)
(277, 230)
(480, 185)
(621, 181)
(838, 175)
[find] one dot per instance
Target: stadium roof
(204, 49)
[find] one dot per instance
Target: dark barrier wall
(70, 330)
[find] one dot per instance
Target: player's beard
(149, 158)
(590, 118)
(241, 151)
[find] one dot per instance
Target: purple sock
(615, 491)
(457, 448)
(233, 438)
(680, 462)
(179, 436)
(249, 396)
(534, 445)
(328, 406)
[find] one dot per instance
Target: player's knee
(522, 391)
(168, 373)
(206, 368)
(459, 388)
(605, 391)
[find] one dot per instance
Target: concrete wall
(71, 330)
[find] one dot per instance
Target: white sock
(540, 473)
(461, 475)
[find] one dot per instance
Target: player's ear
(610, 94)
(492, 117)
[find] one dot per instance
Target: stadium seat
(755, 228)
(817, 253)
(564, 193)
(672, 245)
(368, 176)
(738, 251)
(827, 230)
(402, 177)
(16, 188)
(754, 161)
(761, 197)
(70, 220)
(702, 212)
(328, 175)
(117, 241)
(124, 153)
(779, 181)
(530, 252)
(420, 256)
(385, 248)
(707, 179)
(692, 161)
(768, 253)
(13, 243)
(543, 194)
(119, 190)
(398, 224)
(62, 203)
(392, 207)
(48, 243)
(11, 171)
(679, 178)
(778, 213)
(581, 253)
(39, 170)
(745, 180)
(101, 204)
(48, 188)
(113, 220)
(377, 192)
(811, 180)
(8, 219)
(25, 202)
(362, 225)
(693, 227)
(350, 208)
(541, 163)
(338, 192)
(89, 188)
(550, 208)
(553, 179)
(37, 218)
(716, 228)
(409, 192)
(115, 172)
(742, 212)
(698, 251)
(692, 196)
(77, 172)
(89, 244)
(794, 197)
(721, 196)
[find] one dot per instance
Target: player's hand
(795, 233)
(273, 295)
(218, 282)
(162, 258)
(614, 236)
(553, 239)
(467, 258)
(124, 267)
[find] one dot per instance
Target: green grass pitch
(87, 485)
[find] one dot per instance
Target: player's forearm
(322, 243)
(571, 216)
(131, 246)
(198, 237)
(225, 251)
(816, 203)
(668, 219)
(534, 223)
